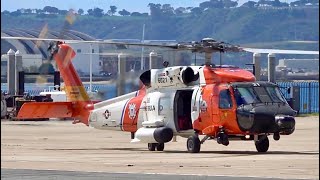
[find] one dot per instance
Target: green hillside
(238, 25)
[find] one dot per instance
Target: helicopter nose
(259, 122)
(286, 124)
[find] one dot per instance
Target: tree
(196, 11)
(217, 4)
(180, 10)
(124, 12)
(211, 4)
(28, 11)
(229, 4)
(39, 11)
(90, 12)
(205, 5)
(63, 12)
(5, 12)
(136, 14)
(155, 10)
(51, 10)
(113, 10)
(80, 11)
(249, 4)
(16, 13)
(167, 10)
(97, 12)
(144, 14)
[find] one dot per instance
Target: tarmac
(62, 150)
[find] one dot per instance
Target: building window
(78, 50)
(92, 51)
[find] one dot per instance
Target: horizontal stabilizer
(36, 110)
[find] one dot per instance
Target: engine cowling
(153, 135)
(187, 75)
(170, 76)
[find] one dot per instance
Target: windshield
(258, 94)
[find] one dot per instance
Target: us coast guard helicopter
(199, 103)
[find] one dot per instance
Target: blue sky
(130, 5)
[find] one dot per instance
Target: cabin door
(225, 105)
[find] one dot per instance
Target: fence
(309, 95)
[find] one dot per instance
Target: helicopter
(199, 103)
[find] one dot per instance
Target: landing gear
(193, 144)
(222, 138)
(262, 145)
(160, 146)
(276, 136)
(154, 146)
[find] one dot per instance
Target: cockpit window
(257, 94)
(275, 94)
(262, 94)
(245, 96)
(225, 101)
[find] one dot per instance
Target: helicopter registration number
(162, 80)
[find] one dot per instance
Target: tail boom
(75, 91)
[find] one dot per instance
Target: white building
(81, 61)
(308, 65)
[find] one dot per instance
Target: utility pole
(90, 69)
(142, 48)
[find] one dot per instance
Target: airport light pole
(142, 48)
(90, 69)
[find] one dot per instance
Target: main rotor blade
(276, 43)
(279, 51)
(206, 46)
(174, 46)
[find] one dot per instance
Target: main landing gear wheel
(154, 146)
(160, 146)
(262, 145)
(193, 144)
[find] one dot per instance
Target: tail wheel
(262, 145)
(152, 146)
(193, 144)
(160, 146)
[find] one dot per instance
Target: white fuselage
(159, 107)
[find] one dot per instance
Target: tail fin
(74, 88)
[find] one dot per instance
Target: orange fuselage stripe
(131, 112)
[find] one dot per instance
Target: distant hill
(240, 25)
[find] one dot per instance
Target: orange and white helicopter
(221, 103)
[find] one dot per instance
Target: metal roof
(33, 47)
